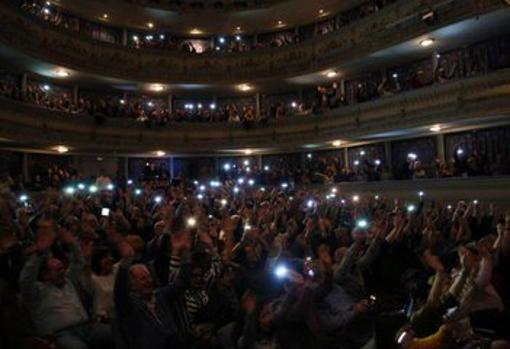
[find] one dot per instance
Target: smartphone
(105, 212)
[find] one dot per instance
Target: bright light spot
(284, 185)
(310, 203)
(411, 208)
(412, 156)
(61, 73)
(281, 271)
(158, 199)
(196, 31)
(251, 182)
(81, 186)
(420, 193)
(244, 87)
(395, 75)
(122, 101)
(377, 162)
(227, 167)
(212, 106)
(427, 42)
(46, 87)
(355, 198)
(202, 188)
(61, 149)
(156, 87)
(309, 155)
(475, 202)
(293, 105)
(92, 189)
(337, 143)
(240, 180)
(238, 38)
(334, 190)
(262, 189)
(221, 40)
(110, 186)
(236, 190)
(150, 25)
(200, 196)
(191, 222)
(362, 223)
(129, 181)
(460, 151)
(362, 153)
(138, 191)
(376, 197)
(69, 190)
(266, 168)
(331, 74)
(356, 162)
(23, 197)
(435, 128)
(223, 202)
(160, 153)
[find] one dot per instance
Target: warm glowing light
(160, 153)
(331, 74)
(280, 22)
(105, 15)
(150, 25)
(196, 31)
(244, 87)
(427, 42)
(337, 143)
(321, 11)
(156, 87)
(248, 151)
(61, 149)
(61, 73)
(435, 128)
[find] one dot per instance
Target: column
(126, 167)
(170, 104)
(75, 94)
(217, 166)
(24, 84)
(172, 170)
(341, 91)
(257, 105)
(346, 158)
(388, 157)
(441, 152)
(24, 167)
(259, 162)
(124, 37)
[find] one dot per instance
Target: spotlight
(362, 223)
(92, 189)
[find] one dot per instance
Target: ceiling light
(105, 15)
(435, 128)
(196, 31)
(337, 143)
(156, 87)
(248, 151)
(46, 87)
(61, 73)
(150, 25)
(427, 42)
(238, 28)
(244, 87)
(61, 149)
(160, 153)
(238, 38)
(135, 37)
(331, 74)
(321, 11)
(280, 22)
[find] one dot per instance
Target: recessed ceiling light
(321, 11)
(238, 28)
(244, 87)
(61, 149)
(435, 128)
(331, 74)
(61, 73)
(105, 15)
(196, 31)
(280, 23)
(150, 25)
(248, 151)
(160, 153)
(427, 42)
(156, 87)
(337, 143)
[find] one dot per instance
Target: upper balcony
(397, 23)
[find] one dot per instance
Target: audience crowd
(182, 264)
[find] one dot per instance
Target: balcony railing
(392, 25)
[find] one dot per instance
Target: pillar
(126, 167)
(170, 104)
(441, 151)
(346, 158)
(24, 167)
(387, 156)
(257, 105)
(259, 162)
(172, 169)
(24, 84)
(75, 94)
(124, 37)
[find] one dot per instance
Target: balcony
(394, 24)
(482, 99)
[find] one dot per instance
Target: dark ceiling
(207, 20)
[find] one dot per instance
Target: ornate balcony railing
(396, 23)
(477, 97)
